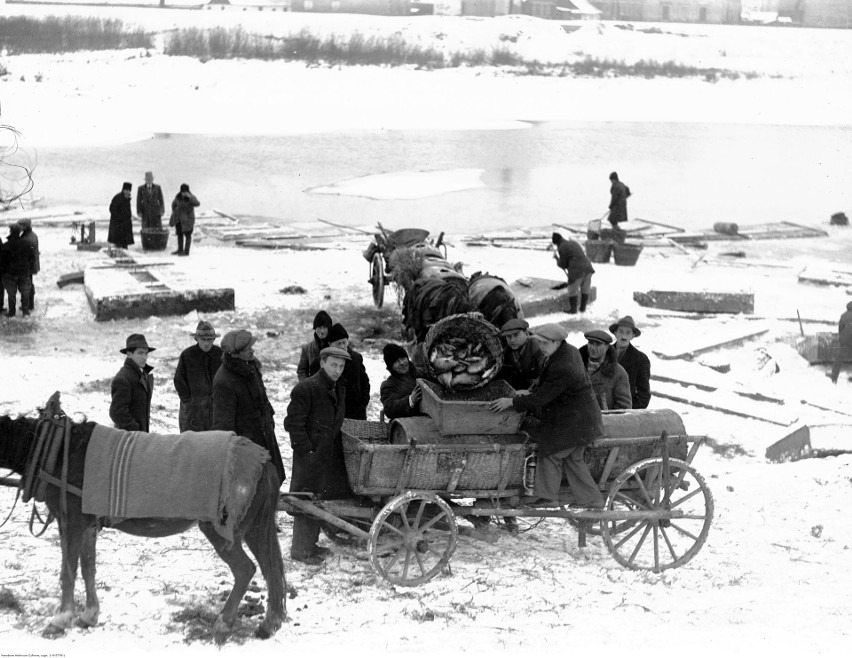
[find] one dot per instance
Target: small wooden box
(466, 412)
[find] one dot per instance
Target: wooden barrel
(424, 430)
(154, 239)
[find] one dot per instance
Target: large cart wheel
(412, 538)
(377, 279)
(659, 544)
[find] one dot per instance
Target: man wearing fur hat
(609, 380)
(309, 357)
(120, 218)
(196, 368)
(240, 403)
(523, 359)
(637, 365)
(355, 377)
(844, 347)
(314, 420)
(183, 218)
(571, 258)
(149, 203)
(29, 238)
(400, 393)
(133, 387)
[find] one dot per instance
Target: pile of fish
(459, 363)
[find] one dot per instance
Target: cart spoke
(684, 532)
(392, 559)
(629, 502)
(668, 543)
(642, 489)
(419, 516)
(680, 501)
(389, 526)
(641, 541)
(656, 548)
(423, 569)
(406, 563)
(433, 521)
(403, 512)
(631, 534)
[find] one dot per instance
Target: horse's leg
(262, 540)
(88, 570)
(243, 569)
(70, 535)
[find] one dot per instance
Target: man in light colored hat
(523, 359)
(240, 403)
(193, 380)
(133, 387)
(149, 203)
(314, 420)
(609, 380)
(637, 365)
(569, 420)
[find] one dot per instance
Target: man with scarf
(240, 403)
(196, 368)
(309, 358)
(400, 393)
(133, 387)
(609, 380)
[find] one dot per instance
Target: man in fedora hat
(314, 420)
(132, 387)
(240, 403)
(149, 203)
(571, 258)
(636, 364)
(523, 359)
(569, 419)
(120, 218)
(609, 380)
(194, 375)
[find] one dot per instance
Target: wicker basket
(472, 326)
(627, 254)
(375, 467)
(598, 251)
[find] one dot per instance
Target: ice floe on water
(405, 184)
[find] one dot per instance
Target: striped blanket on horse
(194, 475)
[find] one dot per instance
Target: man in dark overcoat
(636, 363)
(355, 377)
(844, 347)
(120, 218)
(309, 356)
(29, 238)
(609, 380)
(240, 403)
(400, 393)
(314, 420)
(183, 218)
(571, 258)
(618, 193)
(149, 203)
(196, 368)
(523, 359)
(133, 387)
(569, 419)
(18, 261)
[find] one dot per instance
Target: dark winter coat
(844, 329)
(183, 211)
(522, 367)
(194, 385)
(150, 206)
(120, 221)
(31, 239)
(240, 405)
(564, 403)
(18, 257)
(571, 257)
(638, 369)
(395, 391)
(132, 389)
(609, 381)
(357, 385)
(309, 358)
(618, 202)
(314, 421)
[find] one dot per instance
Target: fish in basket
(463, 351)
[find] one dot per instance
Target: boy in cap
(314, 420)
(196, 368)
(569, 420)
(571, 258)
(609, 380)
(240, 403)
(523, 359)
(355, 377)
(400, 393)
(120, 218)
(637, 365)
(309, 357)
(133, 387)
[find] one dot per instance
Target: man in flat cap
(133, 387)
(569, 420)
(571, 258)
(240, 403)
(523, 359)
(355, 377)
(400, 393)
(314, 420)
(149, 203)
(637, 365)
(196, 368)
(609, 380)
(309, 357)
(120, 218)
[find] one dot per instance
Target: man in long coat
(314, 420)
(569, 419)
(609, 380)
(571, 258)
(636, 363)
(120, 218)
(196, 368)
(183, 218)
(309, 356)
(618, 193)
(400, 393)
(523, 359)
(29, 238)
(18, 260)
(240, 403)
(149, 203)
(355, 377)
(844, 347)
(133, 387)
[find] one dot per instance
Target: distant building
(379, 7)
(807, 13)
(678, 11)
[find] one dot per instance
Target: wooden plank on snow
(688, 346)
(696, 301)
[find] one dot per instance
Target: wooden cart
(657, 513)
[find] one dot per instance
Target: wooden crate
(466, 412)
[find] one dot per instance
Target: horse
(78, 531)
(491, 296)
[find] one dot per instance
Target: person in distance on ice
(571, 258)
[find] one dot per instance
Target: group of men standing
(19, 263)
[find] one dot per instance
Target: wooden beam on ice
(700, 301)
(741, 408)
(682, 350)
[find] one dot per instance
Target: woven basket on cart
(472, 327)
(377, 468)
